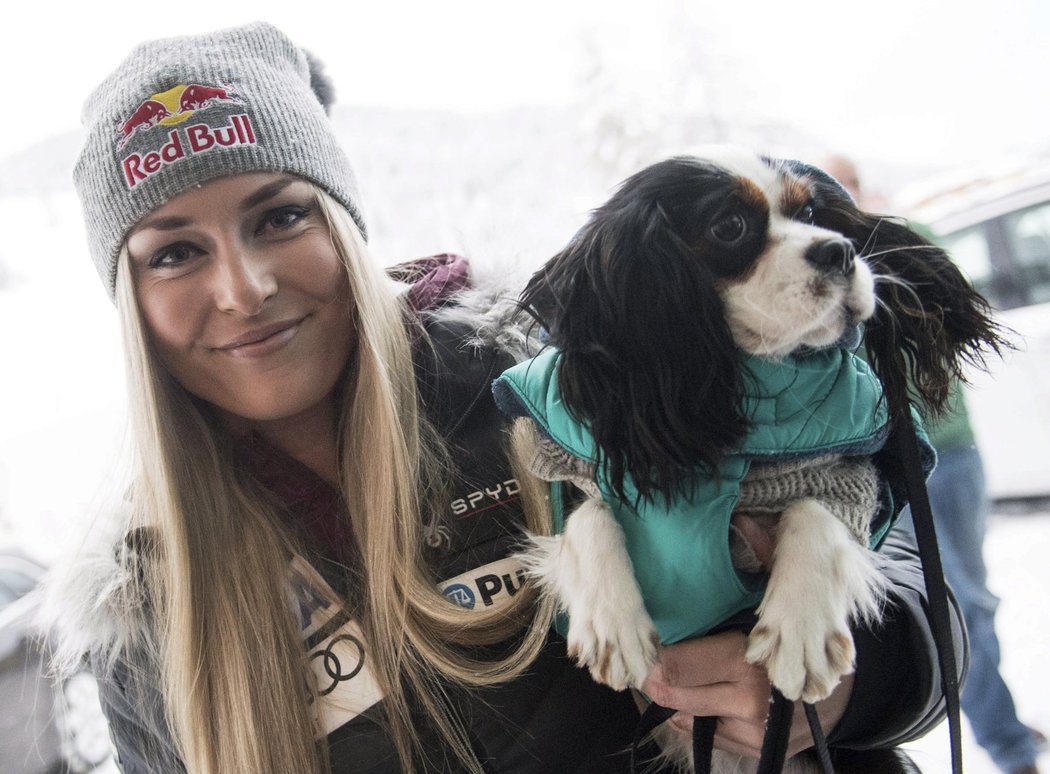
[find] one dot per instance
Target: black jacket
(554, 719)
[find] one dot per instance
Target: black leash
(774, 744)
(933, 577)
(703, 736)
(778, 734)
(703, 744)
(653, 716)
(820, 742)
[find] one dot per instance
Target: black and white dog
(693, 263)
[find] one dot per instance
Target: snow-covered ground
(1017, 551)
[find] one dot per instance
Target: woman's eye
(170, 256)
(729, 228)
(283, 217)
(806, 214)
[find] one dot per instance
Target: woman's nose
(243, 281)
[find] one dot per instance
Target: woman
(317, 460)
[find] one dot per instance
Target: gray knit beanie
(181, 111)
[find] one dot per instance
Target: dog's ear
(648, 359)
(929, 323)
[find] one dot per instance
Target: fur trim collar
(489, 307)
(91, 606)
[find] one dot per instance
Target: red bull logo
(146, 115)
(172, 108)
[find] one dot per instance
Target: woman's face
(244, 298)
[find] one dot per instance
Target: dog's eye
(806, 214)
(730, 228)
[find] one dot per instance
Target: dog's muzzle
(835, 256)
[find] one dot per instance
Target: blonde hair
(231, 656)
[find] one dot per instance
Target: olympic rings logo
(333, 666)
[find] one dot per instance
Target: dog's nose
(832, 255)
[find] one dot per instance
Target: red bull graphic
(197, 97)
(146, 115)
(170, 109)
(173, 106)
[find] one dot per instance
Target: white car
(997, 228)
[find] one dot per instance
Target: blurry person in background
(844, 169)
(960, 508)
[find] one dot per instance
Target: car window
(1028, 233)
(969, 249)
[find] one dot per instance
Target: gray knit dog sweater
(848, 487)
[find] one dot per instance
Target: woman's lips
(263, 340)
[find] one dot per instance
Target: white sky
(908, 80)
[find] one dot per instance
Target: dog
(701, 279)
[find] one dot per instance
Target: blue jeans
(960, 509)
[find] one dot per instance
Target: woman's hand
(709, 676)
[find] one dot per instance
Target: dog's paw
(610, 632)
(618, 648)
(821, 580)
(804, 658)
(588, 571)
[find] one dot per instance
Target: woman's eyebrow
(173, 222)
(266, 192)
(164, 224)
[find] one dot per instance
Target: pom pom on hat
(320, 82)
